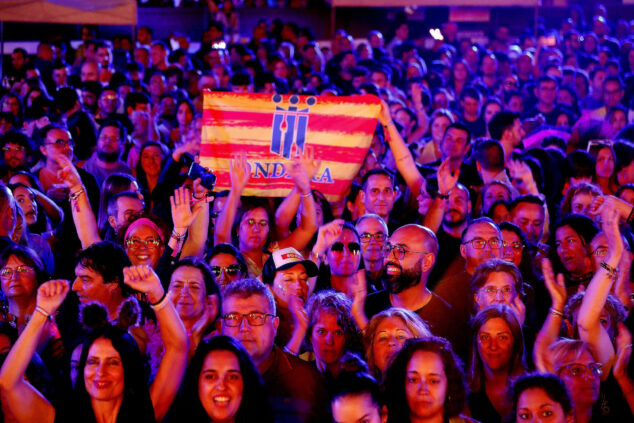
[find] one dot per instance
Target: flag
(272, 128)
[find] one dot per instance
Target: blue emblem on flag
(289, 126)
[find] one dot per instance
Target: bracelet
(306, 195)
(75, 195)
(178, 237)
(630, 218)
(160, 303)
(442, 196)
(42, 311)
(613, 272)
(556, 313)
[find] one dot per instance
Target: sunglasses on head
(353, 247)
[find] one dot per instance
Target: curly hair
(580, 188)
(398, 409)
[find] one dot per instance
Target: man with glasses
(373, 233)
(481, 241)
(16, 152)
(408, 258)
(296, 391)
(57, 143)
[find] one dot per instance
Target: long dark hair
(456, 394)
(254, 406)
(136, 406)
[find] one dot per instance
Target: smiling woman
(223, 385)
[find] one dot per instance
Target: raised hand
(51, 294)
(556, 286)
(384, 116)
(182, 214)
(327, 235)
(68, 173)
(447, 179)
(610, 226)
(623, 352)
(600, 203)
(239, 172)
(145, 280)
(520, 310)
(303, 168)
(520, 170)
(298, 312)
(210, 312)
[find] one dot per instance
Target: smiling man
(409, 256)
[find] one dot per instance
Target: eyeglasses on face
(579, 370)
(231, 270)
(252, 222)
(479, 243)
(492, 292)
(515, 245)
(61, 143)
(255, 318)
(150, 244)
(8, 272)
(367, 237)
(399, 251)
(17, 149)
(353, 247)
(600, 251)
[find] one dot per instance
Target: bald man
(412, 254)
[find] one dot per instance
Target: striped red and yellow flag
(271, 129)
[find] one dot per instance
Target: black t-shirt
(448, 252)
(436, 313)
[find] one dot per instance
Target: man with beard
(409, 257)
(106, 160)
(15, 152)
(457, 207)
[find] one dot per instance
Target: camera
(207, 178)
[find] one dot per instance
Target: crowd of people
(478, 269)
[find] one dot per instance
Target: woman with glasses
(227, 264)
(574, 362)
(497, 281)
(249, 223)
(497, 356)
(21, 272)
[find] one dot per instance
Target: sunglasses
(232, 270)
(353, 247)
